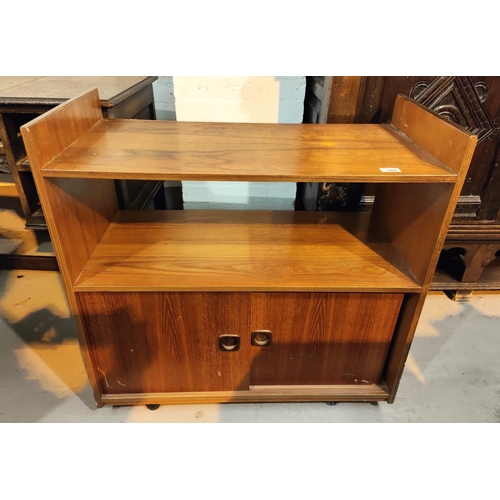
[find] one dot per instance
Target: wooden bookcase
(235, 306)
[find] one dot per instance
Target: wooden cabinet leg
(465, 261)
(476, 258)
(7, 137)
(477, 261)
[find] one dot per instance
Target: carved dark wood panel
(457, 99)
(473, 103)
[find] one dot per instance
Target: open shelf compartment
(244, 251)
(162, 150)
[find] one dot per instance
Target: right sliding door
(321, 338)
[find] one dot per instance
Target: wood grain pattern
(56, 89)
(60, 127)
(322, 338)
(419, 231)
(412, 217)
(222, 250)
(166, 342)
(137, 194)
(444, 140)
(83, 208)
(163, 150)
(261, 394)
(77, 213)
(344, 97)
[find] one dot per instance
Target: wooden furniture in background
(23, 98)
(219, 306)
(471, 255)
(7, 82)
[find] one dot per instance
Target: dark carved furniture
(470, 259)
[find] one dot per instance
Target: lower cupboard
(182, 342)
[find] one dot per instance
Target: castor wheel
(152, 407)
(331, 403)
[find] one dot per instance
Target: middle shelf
(202, 250)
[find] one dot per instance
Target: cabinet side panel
(81, 211)
(77, 212)
(166, 342)
(48, 135)
(417, 218)
(442, 139)
(322, 338)
(412, 216)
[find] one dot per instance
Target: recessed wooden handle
(229, 342)
(261, 338)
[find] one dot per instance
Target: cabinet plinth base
(260, 394)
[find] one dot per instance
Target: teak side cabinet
(230, 306)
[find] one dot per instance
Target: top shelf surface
(169, 150)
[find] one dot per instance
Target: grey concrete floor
(452, 374)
